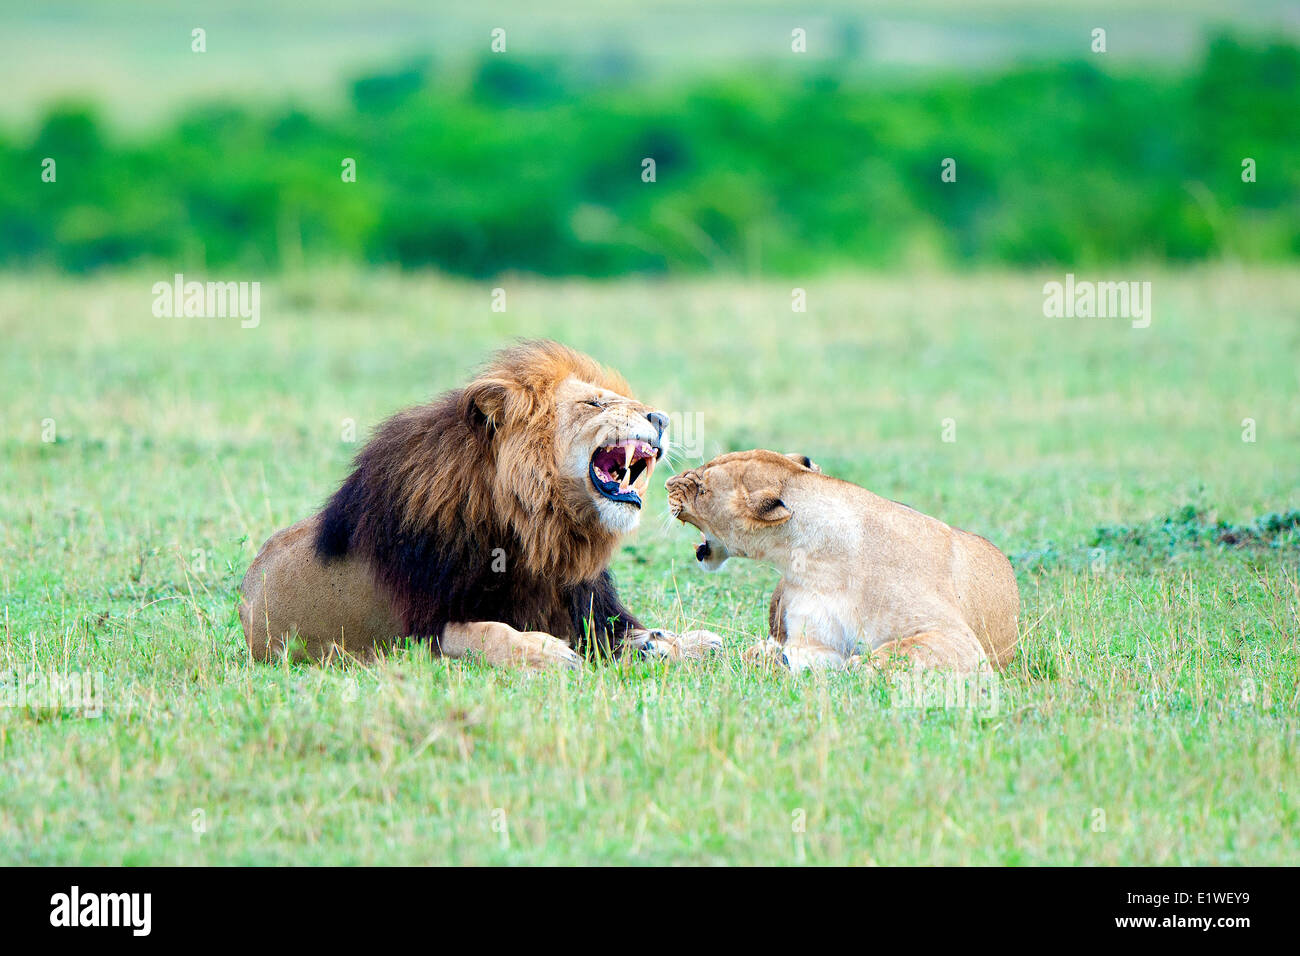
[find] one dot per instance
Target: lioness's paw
(766, 654)
(665, 645)
(814, 657)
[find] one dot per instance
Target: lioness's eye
(594, 403)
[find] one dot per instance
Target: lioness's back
(982, 580)
(988, 594)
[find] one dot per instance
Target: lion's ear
(803, 461)
(765, 505)
(485, 403)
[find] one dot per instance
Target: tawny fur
(859, 570)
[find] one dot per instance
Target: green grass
(1150, 718)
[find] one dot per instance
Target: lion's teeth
(625, 481)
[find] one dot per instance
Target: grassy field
(1151, 716)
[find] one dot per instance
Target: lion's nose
(659, 420)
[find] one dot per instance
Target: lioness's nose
(685, 481)
(659, 420)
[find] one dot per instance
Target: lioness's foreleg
(502, 645)
(798, 654)
(950, 649)
(800, 638)
(765, 653)
(810, 655)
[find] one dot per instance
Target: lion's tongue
(607, 460)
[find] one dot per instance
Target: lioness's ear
(803, 461)
(766, 506)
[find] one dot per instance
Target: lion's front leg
(502, 645)
(600, 618)
(665, 645)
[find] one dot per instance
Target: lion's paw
(562, 656)
(697, 644)
(540, 650)
(659, 644)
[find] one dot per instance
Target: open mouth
(711, 554)
(621, 472)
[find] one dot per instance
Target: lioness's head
(567, 437)
(737, 501)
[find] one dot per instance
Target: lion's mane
(459, 510)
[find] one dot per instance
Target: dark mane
(431, 507)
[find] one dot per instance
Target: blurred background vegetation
(767, 162)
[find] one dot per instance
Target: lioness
(483, 522)
(857, 567)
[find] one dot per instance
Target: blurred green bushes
(519, 166)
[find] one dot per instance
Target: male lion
(857, 567)
(483, 522)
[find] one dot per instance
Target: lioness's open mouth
(621, 472)
(711, 553)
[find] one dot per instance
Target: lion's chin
(619, 517)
